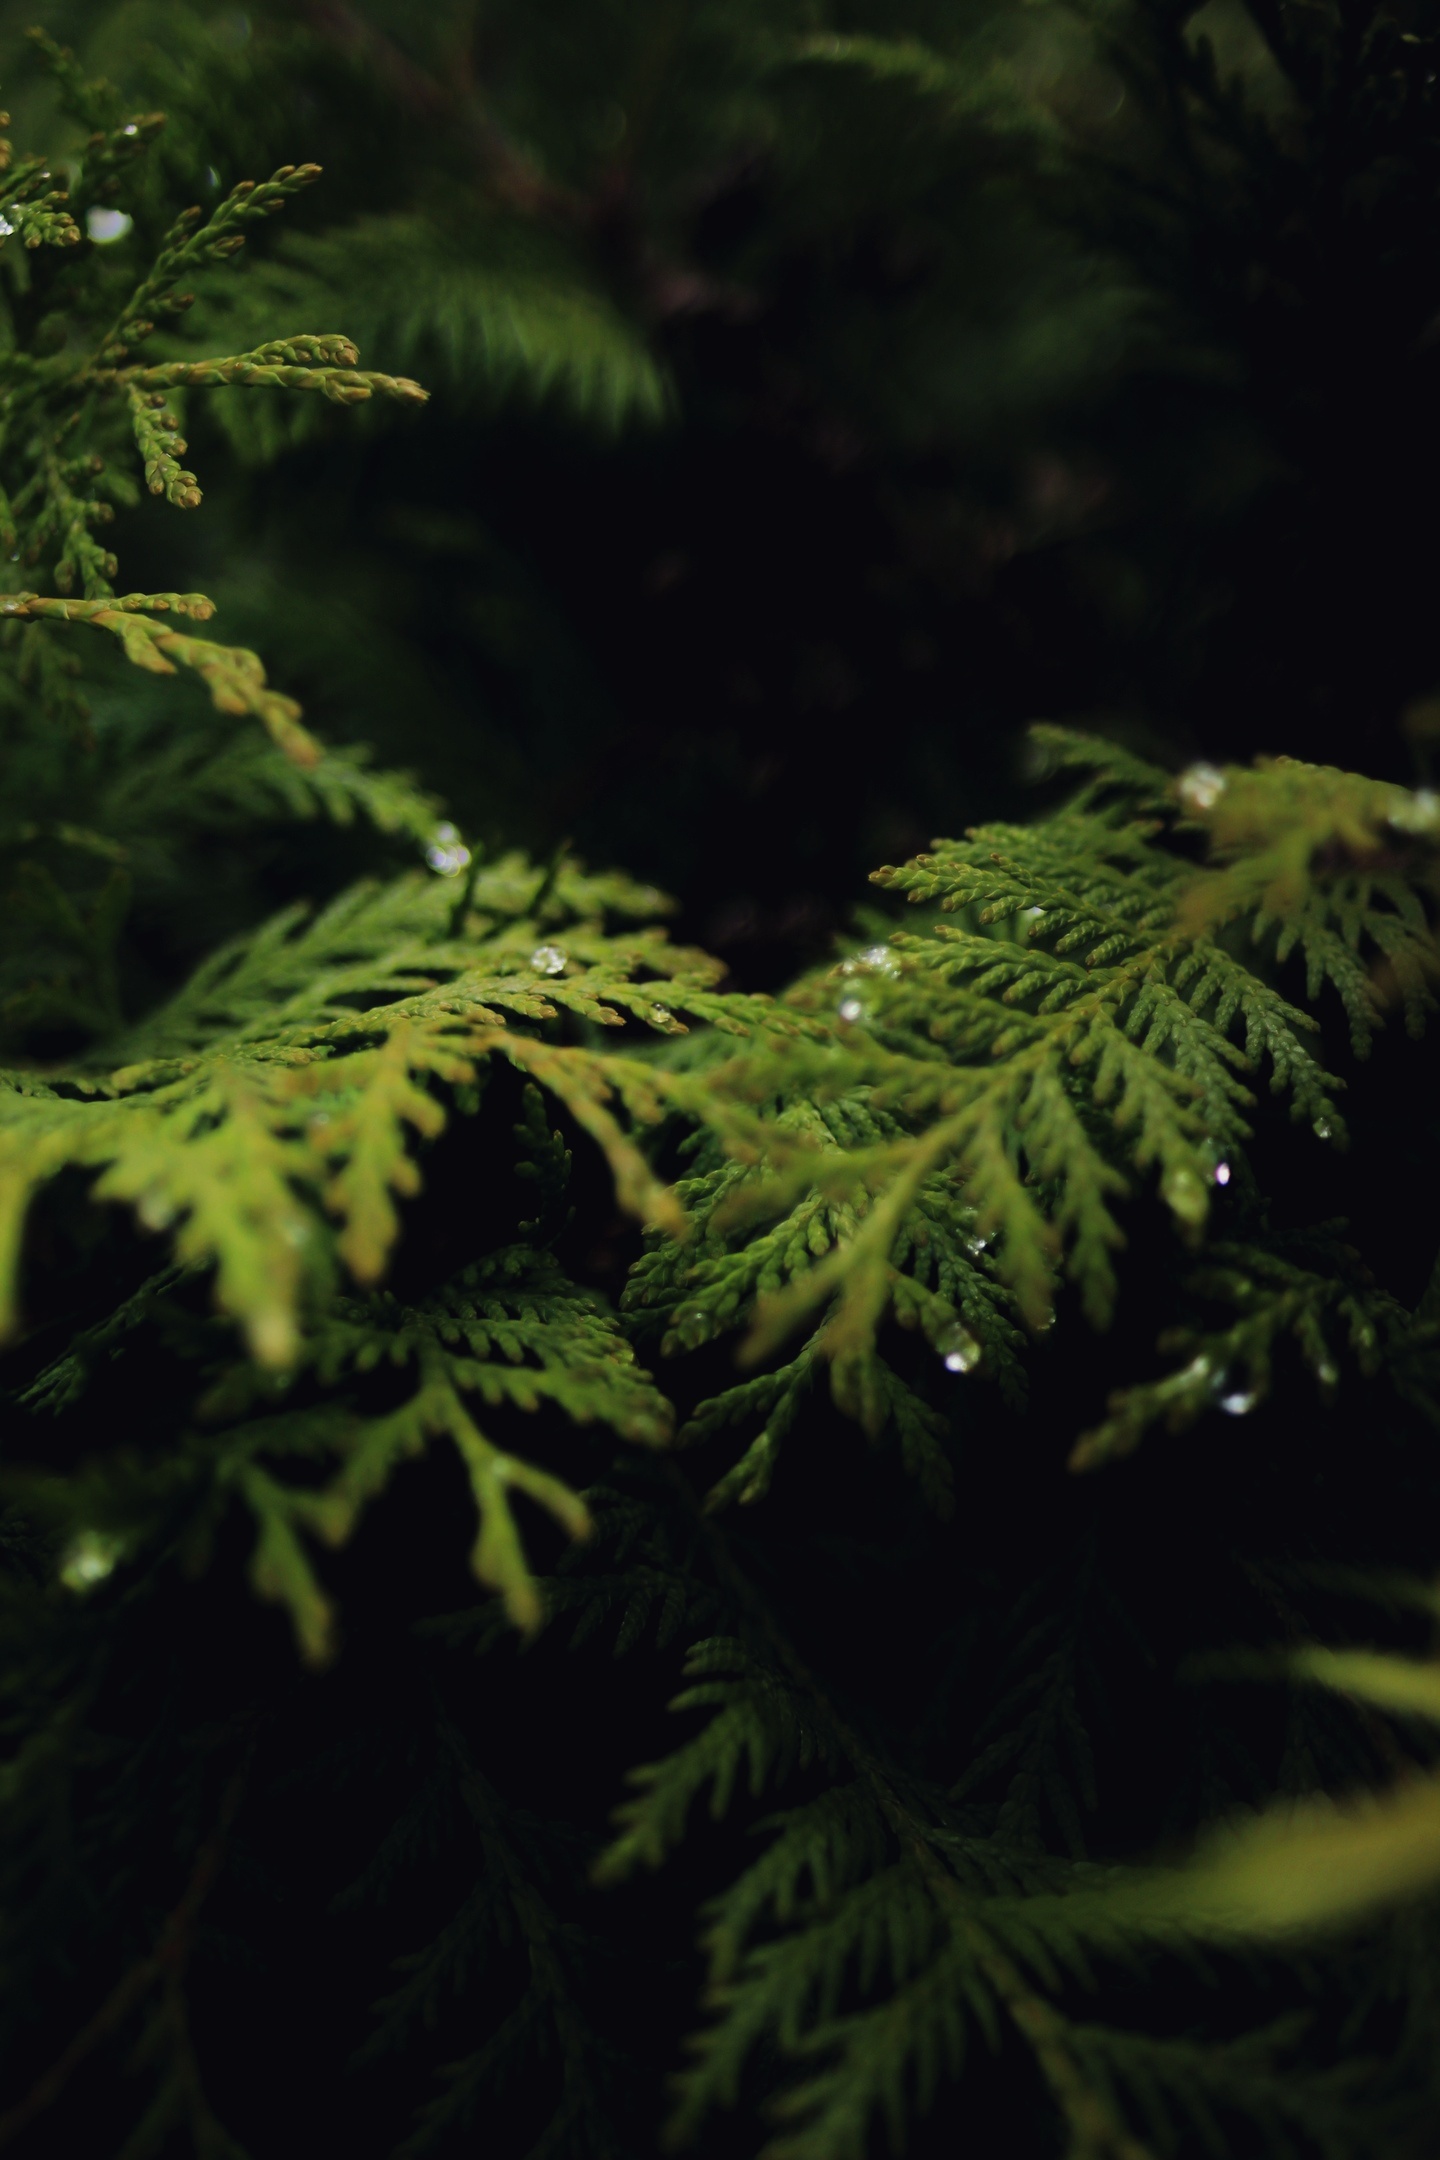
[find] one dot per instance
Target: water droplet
(90, 1556)
(1221, 1173)
(6, 228)
(1239, 1402)
(1201, 786)
(1323, 1129)
(1031, 914)
(130, 128)
(104, 226)
(958, 1347)
(662, 1013)
(1327, 1372)
(212, 178)
(1419, 813)
(976, 1245)
(851, 1010)
(547, 960)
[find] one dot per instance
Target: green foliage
(379, 1239)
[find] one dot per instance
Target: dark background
(889, 415)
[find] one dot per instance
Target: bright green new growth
(267, 1112)
(1078, 1022)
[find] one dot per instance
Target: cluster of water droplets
(875, 960)
(550, 960)
(447, 853)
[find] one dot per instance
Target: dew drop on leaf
(547, 960)
(1419, 813)
(1201, 786)
(105, 226)
(958, 1347)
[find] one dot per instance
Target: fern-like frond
(1332, 1313)
(494, 311)
(281, 1092)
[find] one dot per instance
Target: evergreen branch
(888, 1897)
(483, 313)
(235, 678)
(270, 367)
(161, 445)
(191, 246)
(1329, 1314)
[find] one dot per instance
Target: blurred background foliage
(821, 393)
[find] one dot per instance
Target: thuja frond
(1072, 1036)
(1331, 1309)
(1329, 863)
(510, 1333)
(1186, 2089)
(871, 1937)
(942, 1285)
(235, 678)
(487, 312)
(1311, 1867)
(758, 1731)
(510, 1865)
(67, 416)
(638, 1580)
(284, 1084)
(1036, 1738)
